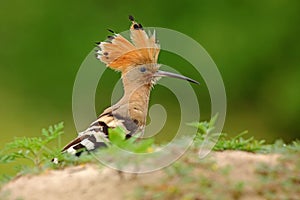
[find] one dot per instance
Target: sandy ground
(91, 182)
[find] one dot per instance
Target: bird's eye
(142, 69)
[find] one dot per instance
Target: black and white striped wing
(92, 138)
(96, 135)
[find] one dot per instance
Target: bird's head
(149, 74)
(137, 60)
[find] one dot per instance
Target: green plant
(239, 143)
(133, 144)
(279, 146)
(222, 141)
(34, 149)
(39, 151)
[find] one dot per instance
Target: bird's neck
(136, 100)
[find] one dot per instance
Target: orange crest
(120, 54)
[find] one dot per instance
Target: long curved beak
(160, 73)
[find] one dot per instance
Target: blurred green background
(255, 44)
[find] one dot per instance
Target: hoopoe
(137, 61)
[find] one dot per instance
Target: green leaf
(213, 120)
(116, 136)
(143, 146)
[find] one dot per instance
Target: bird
(137, 60)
